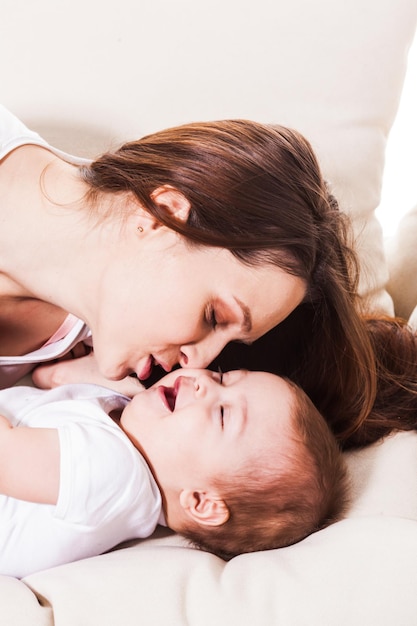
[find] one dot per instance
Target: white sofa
(88, 74)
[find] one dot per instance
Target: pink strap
(68, 323)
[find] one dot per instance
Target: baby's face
(195, 425)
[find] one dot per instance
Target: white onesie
(107, 493)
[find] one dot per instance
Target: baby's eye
(222, 416)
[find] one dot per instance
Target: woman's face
(166, 302)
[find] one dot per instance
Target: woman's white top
(107, 493)
(13, 133)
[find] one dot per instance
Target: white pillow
(384, 477)
(356, 572)
(333, 69)
(402, 262)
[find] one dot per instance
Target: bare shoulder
(22, 156)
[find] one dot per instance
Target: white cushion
(402, 262)
(384, 477)
(101, 72)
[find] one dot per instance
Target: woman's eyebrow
(247, 318)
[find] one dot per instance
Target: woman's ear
(173, 201)
(205, 508)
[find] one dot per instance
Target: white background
(399, 192)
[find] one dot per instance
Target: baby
(235, 462)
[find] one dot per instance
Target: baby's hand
(81, 370)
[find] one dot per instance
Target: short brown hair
(276, 506)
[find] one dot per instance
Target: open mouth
(169, 396)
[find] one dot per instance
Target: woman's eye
(211, 317)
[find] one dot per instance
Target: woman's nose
(201, 354)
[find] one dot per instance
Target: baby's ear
(173, 201)
(204, 507)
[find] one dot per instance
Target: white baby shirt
(107, 493)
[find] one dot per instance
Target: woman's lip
(146, 370)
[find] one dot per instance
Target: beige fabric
(90, 74)
(413, 319)
(330, 68)
(402, 261)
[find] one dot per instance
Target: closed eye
(210, 316)
(221, 408)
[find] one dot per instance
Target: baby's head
(244, 461)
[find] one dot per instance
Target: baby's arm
(82, 370)
(29, 463)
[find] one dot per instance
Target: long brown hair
(258, 191)
(395, 406)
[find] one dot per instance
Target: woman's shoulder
(13, 133)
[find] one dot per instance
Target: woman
(175, 245)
